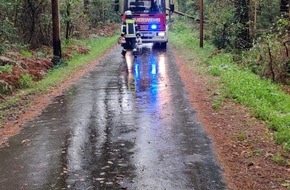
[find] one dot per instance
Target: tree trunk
(243, 40)
(201, 24)
(253, 18)
(56, 28)
(32, 26)
(86, 6)
(67, 31)
(284, 7)
(16, 12)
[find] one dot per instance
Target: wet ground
(127, 124)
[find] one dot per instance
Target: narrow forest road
(127, 124)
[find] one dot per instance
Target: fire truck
(150, 16)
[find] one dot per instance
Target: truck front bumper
(154, 37)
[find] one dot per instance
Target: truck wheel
(163, 45)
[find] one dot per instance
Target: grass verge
(97, 47)
(264, 98)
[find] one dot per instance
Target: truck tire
(163, 45)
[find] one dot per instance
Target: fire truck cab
(150, 16)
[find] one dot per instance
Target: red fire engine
(150, 15)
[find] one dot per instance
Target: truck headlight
(162, 34)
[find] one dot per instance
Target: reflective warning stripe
(123, 28)
(130, 28)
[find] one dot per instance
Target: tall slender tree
(243, 40)
(86, 6)
(68, 20)
(56, 29)
(284, 7)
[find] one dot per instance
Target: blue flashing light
(154, 69)
(153, 26)
(137, 70)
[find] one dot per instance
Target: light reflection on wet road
(125, 125)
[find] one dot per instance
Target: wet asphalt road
(127, 124)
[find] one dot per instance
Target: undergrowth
(264, 98)
(6, 69)
(97, 47)
(25, 81)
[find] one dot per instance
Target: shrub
(25, 81)
(5, 87)
(222, 27)
(26, 53)
(6, 69)
(268, 58)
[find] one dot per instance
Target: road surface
(127, 124)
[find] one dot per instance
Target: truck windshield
(146, 6)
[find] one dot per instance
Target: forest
(255, 31)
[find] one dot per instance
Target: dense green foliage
(26, 34)
(257, 31)
(30, 22)
(265, 99)
(101, 12)
(6, 26)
